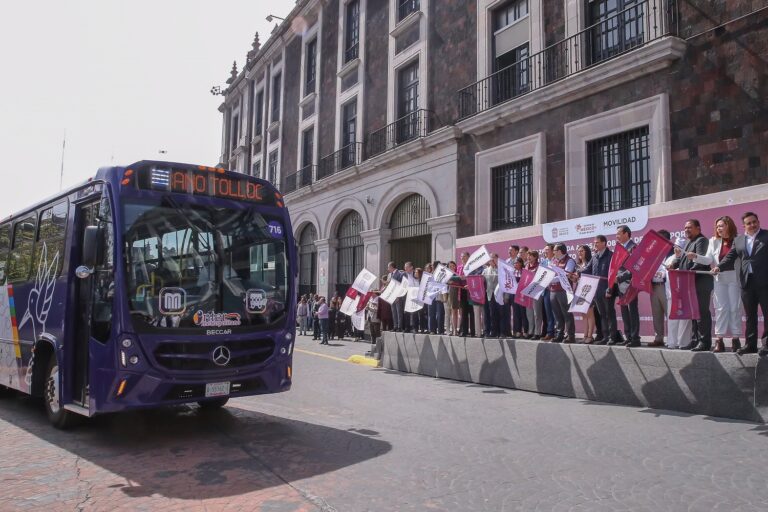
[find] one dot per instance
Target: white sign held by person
(424, 297)
(391, 292)
(541, 280)
(585, 294)
(478, 258)
(507, 280)
(358, 320)
(412, 302)
(442, 274)
(364, 281)
(562, 276)
(405, 284)
(498, 294)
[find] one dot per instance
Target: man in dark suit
(749, 255)
(698, 244)
(630, 315)
(598, 266)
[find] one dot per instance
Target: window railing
(406, 7)
(409, 127)
(629, 29)
(348, 156)
(300, 179)
(351, 52)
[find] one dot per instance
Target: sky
(124, 79)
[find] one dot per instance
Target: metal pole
(63, 147)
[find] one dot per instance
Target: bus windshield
(203, 269)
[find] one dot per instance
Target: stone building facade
(405, 129)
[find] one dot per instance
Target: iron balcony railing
(631, 28)
(300, 179)
(409, 127)
(406, 7)
(348, 156)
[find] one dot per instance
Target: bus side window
(20, 261)
(104, 278)
(5, 244)
(51, 235)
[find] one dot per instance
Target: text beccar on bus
(153, 284)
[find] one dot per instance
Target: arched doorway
(411, 239)
(350, 251)
(307, 260)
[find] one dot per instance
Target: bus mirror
(92, 246)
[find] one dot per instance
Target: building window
(256, 169)
(509, 13)
(352, 37)
(512, 78)
(307, 260)
(259, 113)
(273, 168)
(406, 7)
(235, 130)
(408, 102)
(311, 67)
(350, 251)
(308, 147)
(276, 97)
(616, 26)
(349, 134)
(512, 195)
(618, 171)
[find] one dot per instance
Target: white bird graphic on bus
(41, 297)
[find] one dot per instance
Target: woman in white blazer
(727, 289)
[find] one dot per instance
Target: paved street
(352, 438)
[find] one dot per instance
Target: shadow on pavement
(183, 452)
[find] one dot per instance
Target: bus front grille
(192, 356)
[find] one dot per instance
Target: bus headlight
(288, 337)
(134, 359)
(127, 343)
(283, 351)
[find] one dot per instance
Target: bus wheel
(213, 404)
(58, 416)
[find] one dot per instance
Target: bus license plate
(216, 389)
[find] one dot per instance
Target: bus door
(94, 292)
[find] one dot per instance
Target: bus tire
(57, 415)
(213, 404)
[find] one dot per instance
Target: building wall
(327, 67)
(293, 79)
(376, 62)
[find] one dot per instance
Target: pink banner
(526, 277)
(685, 304)
(476, 287)
(620, 255)
(646, 258)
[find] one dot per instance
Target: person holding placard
(535, 313)
(565, 326)
(698, 245)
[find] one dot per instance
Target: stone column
(326, 265)
(443, 230)
(377, 251)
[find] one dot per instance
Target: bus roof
(108, 173)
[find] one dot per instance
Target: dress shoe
(735, 344)
(633, 343)
(569, 339)
(557, 339)
(688, 347)
(719, 346)
(701, 347)
(614, 341)
(763, 352)
(547, 338)
(747, 350)
(601, 341)
(656, 343)
(588, 340)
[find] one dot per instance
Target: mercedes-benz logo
(221, 355)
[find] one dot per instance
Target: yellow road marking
(319, 355)
(356, 359)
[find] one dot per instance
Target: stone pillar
(377, 251)
(443, 230)
(326, 265)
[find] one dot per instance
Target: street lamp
(272, 17)
(216, 91)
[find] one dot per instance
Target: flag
(526, 276)
(426, 277)
(646, 258)
(540, 281)
(391, 292)
(476, 288)
(349, 305)
(478, 258)
(585, 294)
(358, 320)
(363, 301)
(412, 303)
(620, 254)
(498, 294)
(565, 283)
(442, 274)
(364, 281)
(685, 304)
(507, 280)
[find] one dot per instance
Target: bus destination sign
(204, 183)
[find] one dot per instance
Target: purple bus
(153, 284)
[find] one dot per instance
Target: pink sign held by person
(646, 258)
(685, 304)
(526, 277)
(476, 289)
